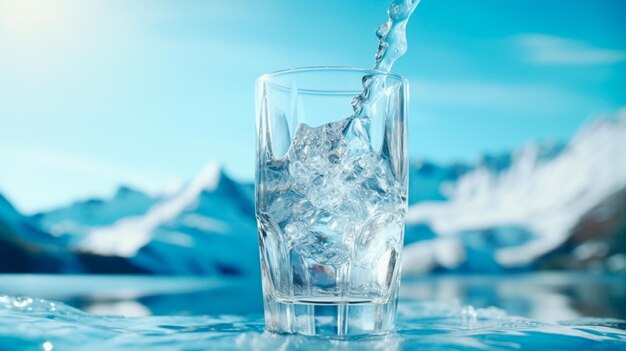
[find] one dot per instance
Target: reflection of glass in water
(27, 322)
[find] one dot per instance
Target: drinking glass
(331, 198)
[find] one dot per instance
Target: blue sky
(99, 93)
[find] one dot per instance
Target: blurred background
(127, 145)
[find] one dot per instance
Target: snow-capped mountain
(429, 181)
(527, 209)
(545, 205)
(73, 222)
(207, 227)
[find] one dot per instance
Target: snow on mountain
(428, 181)
(76, 220)
(207, 227)
(539, 199)
(126, 236)
(535, 207)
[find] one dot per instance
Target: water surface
(536, 311)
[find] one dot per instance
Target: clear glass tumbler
(331, 192)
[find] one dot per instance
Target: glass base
(330, 320)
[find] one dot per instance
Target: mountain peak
(209, 178)
(137, 231)
(546, 189)
(125, 191)
(599, 129)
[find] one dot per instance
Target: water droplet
(47, 346)
(382, 30)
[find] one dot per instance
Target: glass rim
(265, 78)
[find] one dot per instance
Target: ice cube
(322, 246)
(378, 236)
(356, 135)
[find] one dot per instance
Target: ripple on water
(35, 324)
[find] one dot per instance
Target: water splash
(392, 34)
(35, 324)
(392, 45)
